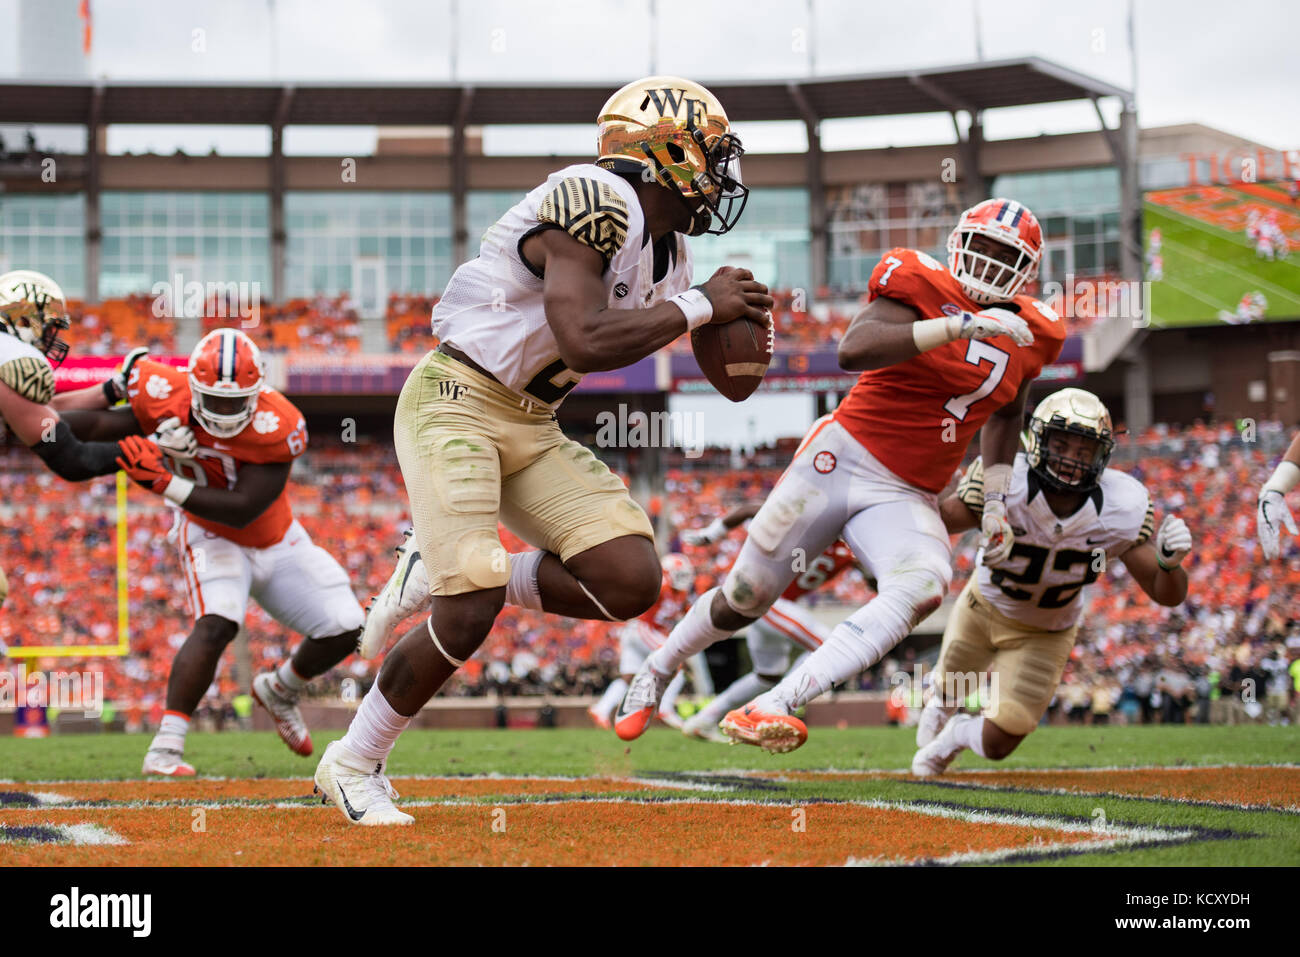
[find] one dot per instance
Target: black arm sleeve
(76, 461)
(102, 425)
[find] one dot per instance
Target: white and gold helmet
(1063, 464)
(675, 131)
(33, 309)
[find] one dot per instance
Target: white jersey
(1041, 582)
(25, 369)
(492, 309)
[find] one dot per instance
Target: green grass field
(1207, 269)
(1217, 826)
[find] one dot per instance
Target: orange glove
(143, 461)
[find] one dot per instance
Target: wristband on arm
(695, 305)
(1284, 478)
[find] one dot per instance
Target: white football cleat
(933, 759)
(282, 705)
(641, 702)
(934, 718)
(358, 788)
(405, 593)
(167, 762)
(705, 729)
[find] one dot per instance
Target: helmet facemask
(986, 278)
(32, 308)
(1068, 457)
(223, 413)
(720, 188)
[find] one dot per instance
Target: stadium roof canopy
(973, 87)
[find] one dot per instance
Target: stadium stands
(1133, 656)
(331, 325)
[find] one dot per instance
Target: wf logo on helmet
(668, 99)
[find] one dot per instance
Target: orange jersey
(917, 417)
(829, 564)
(276, 433)
(668, 609)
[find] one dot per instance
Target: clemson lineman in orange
(234, 529)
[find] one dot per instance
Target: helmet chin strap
(701, 215)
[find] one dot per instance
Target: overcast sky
(1230, 66)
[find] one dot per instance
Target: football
(734, 355)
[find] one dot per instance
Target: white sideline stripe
(80, 834)
(91, 834)
(775, 775)
(50, 797)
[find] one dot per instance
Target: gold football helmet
(1061, 463)
(676, 132)
(33, 309)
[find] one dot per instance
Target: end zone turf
(1151, 796)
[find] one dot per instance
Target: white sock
(375, 728)
(701, 680)
(522, 590)
(610, 699)
(855, 645)
(692, 634)
(741, 691)
(671, 692)
(969, 733)
(171, 732)
(796, 689)
(290, 678)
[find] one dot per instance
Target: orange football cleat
(770, 730)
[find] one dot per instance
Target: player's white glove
(705, 536)
(997, 537)
(176, 438)
(991, 323)
(115, 387)
(1271, 516)
(1173, 542)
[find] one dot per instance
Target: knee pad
(629, 518)
(747, 593)
(483, 559)
(344, 616)
(920, 584)
(1013, 717)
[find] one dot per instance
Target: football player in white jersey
(590, 271)
(1273, 514)
(33, 312)
(1017, 617)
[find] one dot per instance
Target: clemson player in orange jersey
(944, 354)
(234, 529)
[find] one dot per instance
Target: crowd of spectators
(331, 325)
(1225, 654)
